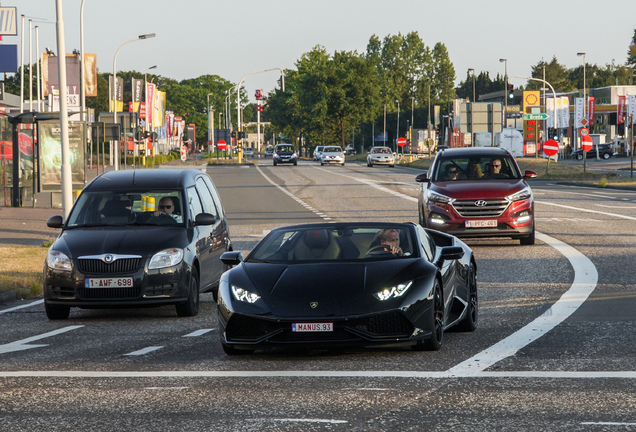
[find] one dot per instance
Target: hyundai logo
(109, 258)
(481, 203)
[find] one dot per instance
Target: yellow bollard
(150, 204)
(143, 203)
(240, 154)
(77, 193)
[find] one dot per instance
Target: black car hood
(339, 289)
(144, 241)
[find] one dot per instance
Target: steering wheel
(379, 250)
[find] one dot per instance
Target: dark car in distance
(285, 153)
(605, 151)
(138, 238)
(477, 192)
(346, 284)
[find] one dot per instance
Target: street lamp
(114, 98)
(505, 116)
(397, 130)
(472, 112)
(411, 129)
(82, 69)
(584, 89)
(210, 124)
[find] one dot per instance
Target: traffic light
(233, 134)
(511, 89)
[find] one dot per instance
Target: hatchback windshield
(476, 168)
(337, 243)
(332, 150)
(285, 149)
(117, 208)
(384, 150)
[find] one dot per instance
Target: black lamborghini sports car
(347, 284)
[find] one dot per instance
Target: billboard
(8, 21)
(50, 159)
(9, 58)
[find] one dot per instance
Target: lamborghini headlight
(243, 295)
(393, 292)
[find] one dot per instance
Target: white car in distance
(380, 156)
(332, 155)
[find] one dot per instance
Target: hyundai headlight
(438, 197)
(243, 295)
(58, 261)
(394, 291)
(524, 193)
(166, 258)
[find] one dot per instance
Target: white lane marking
(144, 351)
(373, 184)
(198, 332)
(294, 197)
(35, 303)
(166, 388)
(608, 424)
(292, 420)
(588, 210)
(21, 345)
(614, 207)
(585, 279)
(320, 374)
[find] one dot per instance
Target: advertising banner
(8, 21)
(621, 110)
(591, 108)
(90, 74)
(579, 107)
(116, 93)
(50, 154)
(137, 93)
(51, 78)
(150, 98)
(563, 110)
(632, 107)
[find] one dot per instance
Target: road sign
(584, 132)
(586, 143)
(401, 142)
(541, 116)
(184, 153)
(550, 147)
(221, 144)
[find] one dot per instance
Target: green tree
(631, 54)
(555, 73)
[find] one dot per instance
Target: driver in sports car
(391, 239)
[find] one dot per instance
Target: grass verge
(21, 270)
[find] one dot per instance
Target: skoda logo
(313, 305)
(109, 258)
(480, 203)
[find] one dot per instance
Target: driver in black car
(391, 239)
(166, 206)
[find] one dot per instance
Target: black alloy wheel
(437, 322)
(54, 312)
(469, 323)
(191, 306)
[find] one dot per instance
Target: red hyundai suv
(477, 192)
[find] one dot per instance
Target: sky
(239, 37)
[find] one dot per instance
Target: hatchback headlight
(438, 197)
(524, 193)
(166, 258)
(58, 261)
(243, 295)
(393, 292)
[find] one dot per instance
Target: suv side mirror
(529, 174)
(422, 178)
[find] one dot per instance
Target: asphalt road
(554, 350)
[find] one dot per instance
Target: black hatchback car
(605, 151)
(138, 238)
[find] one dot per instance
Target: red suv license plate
(481, 224)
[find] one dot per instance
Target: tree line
(342, 97)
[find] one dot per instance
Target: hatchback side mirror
(55, 222)
(204, 219)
